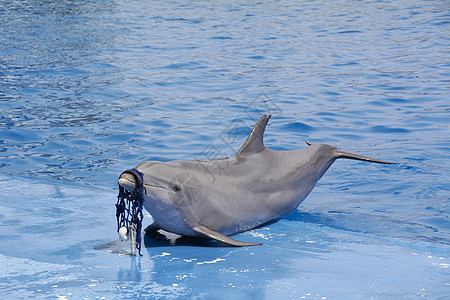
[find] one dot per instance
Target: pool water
(91, 88)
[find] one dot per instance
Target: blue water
(91, 88)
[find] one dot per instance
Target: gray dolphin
(221, 197)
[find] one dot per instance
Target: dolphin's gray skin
(222, 197)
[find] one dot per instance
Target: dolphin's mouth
(126, 182)
(131, 184)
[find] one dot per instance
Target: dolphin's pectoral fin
(221, 238)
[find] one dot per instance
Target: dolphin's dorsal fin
(254, 142)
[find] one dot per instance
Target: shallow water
(91, 88)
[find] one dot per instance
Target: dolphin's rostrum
(221, 197)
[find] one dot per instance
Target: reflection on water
(133, 274)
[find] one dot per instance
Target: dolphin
(217, 198)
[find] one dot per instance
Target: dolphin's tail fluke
(349, 155)
(338, 153)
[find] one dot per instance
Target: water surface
(91, 88)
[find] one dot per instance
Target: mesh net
(129, 210)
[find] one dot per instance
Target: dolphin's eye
(176, 188)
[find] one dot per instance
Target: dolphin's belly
(254, 204)
(231, 212)
(169, 219)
